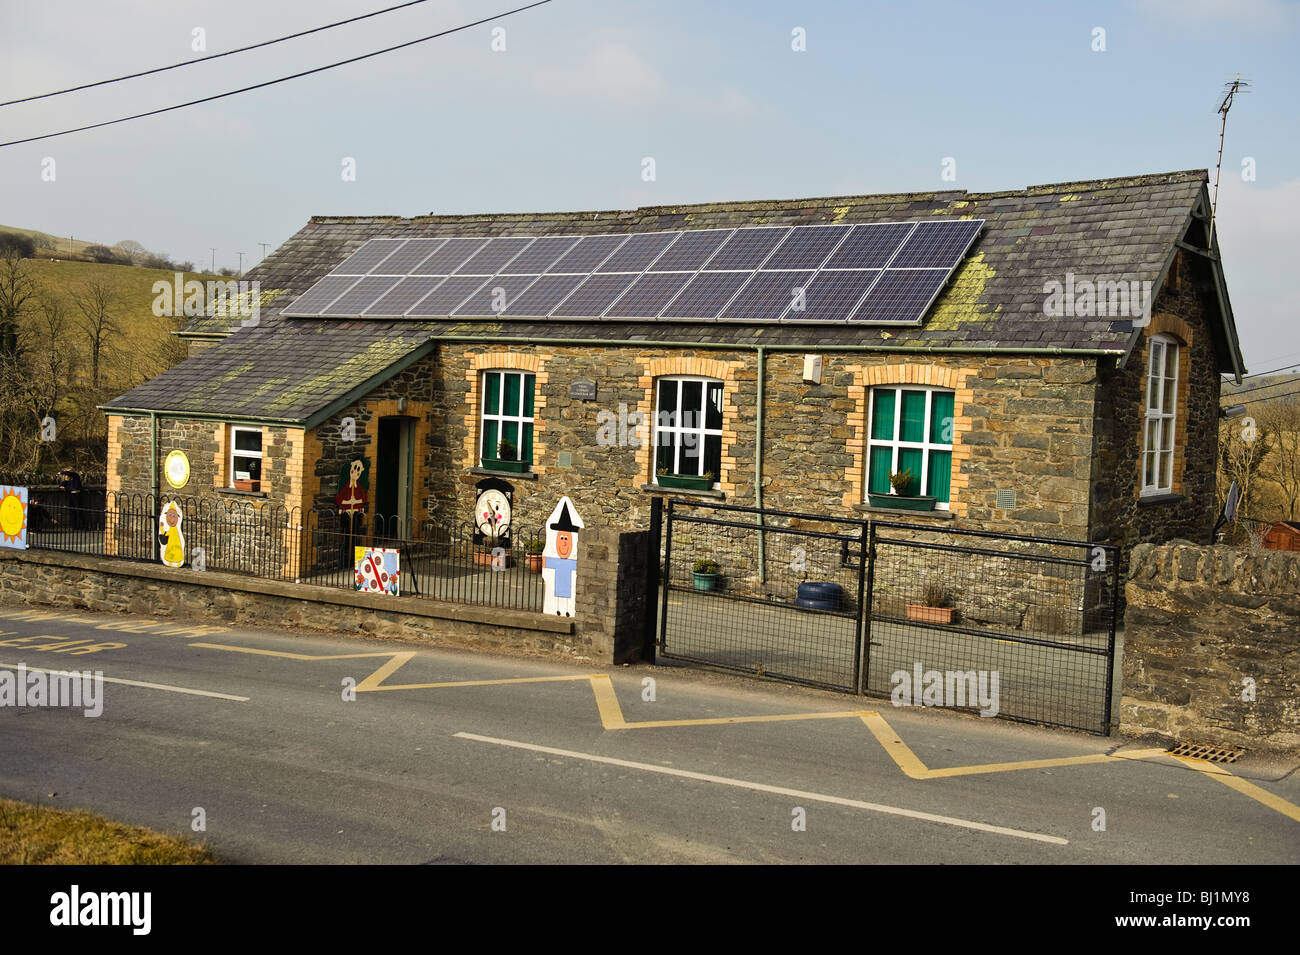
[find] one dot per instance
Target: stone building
(1036, 394)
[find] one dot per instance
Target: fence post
(667, 578)
(866, 586)
(653, 540)
(1114, 621)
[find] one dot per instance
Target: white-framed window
(910, 428)
(688, 427)
(246, 458)
(1161, 408)
(506, 416)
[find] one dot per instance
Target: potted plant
(706, 574)
(689, 482)
(507, 459)
(533, 551)
(935, 606)
(904, 483)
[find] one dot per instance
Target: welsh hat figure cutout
(560, 559)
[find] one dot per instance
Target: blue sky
(563, 117)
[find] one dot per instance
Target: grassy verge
(38, 835)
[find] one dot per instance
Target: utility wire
(282, 79)
(213, 56)
(1248, 401)
(1273, 371)
(1246, 391)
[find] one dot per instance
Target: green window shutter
(913, 425)
(940, 477)
(882, 415)
(511, 404)
(910, 459)
(941, 418)
(491, 393)
(529, 381)
(878, 480)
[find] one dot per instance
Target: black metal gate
(1018, 627)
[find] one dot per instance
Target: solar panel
(595, 295)
(936, 245)
(807, 247)
(901, 295)
(492, 256)
(539, 256)
(767, 294)
(495, 295)
(650, 293)
(746, 249)
(448, 258)
(543, 295)
(403, 260)
(691, 250)
(705, 295)
(869, 246)
(444, 299)
(590, 251)
(404, 294)
(367, 257)
(874, 273)
(636, 254)
(830, 296)
(360, 295)
(321, 294)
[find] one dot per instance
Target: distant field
(58, 243)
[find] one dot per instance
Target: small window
(246, 459)
(911, 429)
(1158, 425)
(506, 422)
(688, 428)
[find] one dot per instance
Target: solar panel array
(876, 273)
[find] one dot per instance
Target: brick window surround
(505, 361)
(1173, 327)
(723, 371)
(866, 377)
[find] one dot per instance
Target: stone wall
(1200, 621)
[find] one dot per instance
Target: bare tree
(33, 385)
(1282, 419)
(98, 303)
(1243, 445)
(16, 290)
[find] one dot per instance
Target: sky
(584, 91)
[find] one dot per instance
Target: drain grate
(1209, 753)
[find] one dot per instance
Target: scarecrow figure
(560, 559)
(169, 529)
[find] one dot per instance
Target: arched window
(1161, 410)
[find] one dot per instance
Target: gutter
(758, 469)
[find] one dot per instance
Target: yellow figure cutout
(169, 527)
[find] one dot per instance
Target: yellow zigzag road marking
(611, 718)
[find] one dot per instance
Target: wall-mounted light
(1232, 411)
(401, 405)
(812, 369)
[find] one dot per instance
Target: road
(451, 756)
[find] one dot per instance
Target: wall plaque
(583, 390)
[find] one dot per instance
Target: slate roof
(1110, 229)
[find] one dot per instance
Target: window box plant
(706, 571)
(533, 551)
(689, 482)
(935, 606)
(507, 459)
(903, 483)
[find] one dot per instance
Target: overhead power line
(1286, 394)
(213, 56)
(1246, 391)
(282, 79)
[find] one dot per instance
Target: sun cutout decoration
(13, 517)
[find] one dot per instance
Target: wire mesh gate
(1018, 627)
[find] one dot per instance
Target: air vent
(1210, 754)
(1006, 500)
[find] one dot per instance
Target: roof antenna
(1230, 90)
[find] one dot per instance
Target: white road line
(777, 790)
(147, 686)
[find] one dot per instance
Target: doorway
(394, 470)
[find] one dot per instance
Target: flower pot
(903, 502)
(484, 558)
(923, 614)
(244, 484)
(706, 581)
(690, 482)
(499, 464)
(535, 563)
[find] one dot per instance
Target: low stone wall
(45, 578)
(1202, 624)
